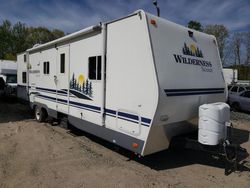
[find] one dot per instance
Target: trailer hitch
(231, 153)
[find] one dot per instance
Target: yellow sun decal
(193, 48)
(81, 79)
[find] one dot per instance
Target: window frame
(62, 68)
(46, 67)
(98, 68)
(246, 92)
(240, 89)
(24, 58)
(236, 90)
(24, 81)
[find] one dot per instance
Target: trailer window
(62, 64)
(2, 83)
(24, 58)
(11, 79)
(234, 89)
(241, 89)
(46, 67)
(24, 77)
(95, 66)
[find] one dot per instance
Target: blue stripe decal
(121, 115)
(128, 120)
(201, 91)
(52, 90)
(84, 108)
(75, 104)
(145, 120)
(129, 116)
(112, 113)
(85, 105)
(45, 89)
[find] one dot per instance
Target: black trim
(130, 116)
(85, 105)
(112, 113)
(198, 91)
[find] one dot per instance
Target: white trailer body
(22, 86)
(134, 81)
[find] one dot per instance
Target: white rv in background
(135, 81)
(230, 75)
(22, 89)
(8, 77)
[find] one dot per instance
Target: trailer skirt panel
(115, 137)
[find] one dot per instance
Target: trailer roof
(94, 29)
(66, 38)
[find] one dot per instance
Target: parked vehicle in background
(2, 86)
(8, 77)
(240, 100)
(237, 88)
(8, 85)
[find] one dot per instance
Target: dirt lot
(42, 155)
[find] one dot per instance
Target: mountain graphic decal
(80, 87)
(192, 50)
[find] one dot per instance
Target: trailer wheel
(40, 114)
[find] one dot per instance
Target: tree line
(18, 37)
(234, 47)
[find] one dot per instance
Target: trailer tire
(40, 114)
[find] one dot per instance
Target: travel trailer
(22, 84)
(8, 77)
(137, 81)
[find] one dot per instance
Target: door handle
(55, 79)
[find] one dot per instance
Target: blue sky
(72, 15)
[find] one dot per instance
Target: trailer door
(62, 79)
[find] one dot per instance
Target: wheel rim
(38, 114)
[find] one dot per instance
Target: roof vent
(191, 34)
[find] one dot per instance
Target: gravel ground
(41, 155)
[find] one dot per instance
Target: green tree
(90, 89)
(39, 35)
(221, 34)
(246, 42)
(57, 33)
(87, 87)
(237, 43)
(5, 38)
(195, 25)
(19, 34)
(17, 38)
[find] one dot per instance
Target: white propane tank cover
(212, 122)
(217, 111)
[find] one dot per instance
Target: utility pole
(157, 8)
